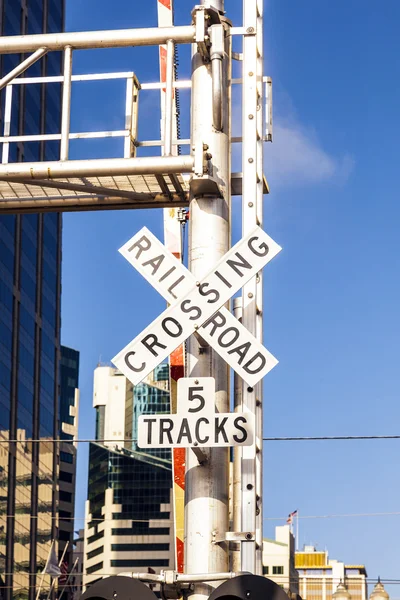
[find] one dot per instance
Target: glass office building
(129, 519)
(69, 410)
(151, 397)
(129, 512)
(30, 258)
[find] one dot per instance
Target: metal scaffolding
(201, 179)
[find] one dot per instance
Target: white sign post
(196, 424)
(197, 306)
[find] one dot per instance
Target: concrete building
(279, 560)
(319, 576)
(78, 555)
(129, 511)
(69, 409)
(30, 277)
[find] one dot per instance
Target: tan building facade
(279, 560)
(319, 576)
(129, 512)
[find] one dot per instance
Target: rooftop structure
(320, 575)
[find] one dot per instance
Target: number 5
(193, 397)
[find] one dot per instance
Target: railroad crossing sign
(196, 424)
(197, 306)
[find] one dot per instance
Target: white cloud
(296, 158)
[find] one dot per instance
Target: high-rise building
(119, 405)
(77, 574)
(30, 259)
(319, 576)
(129, 512)
(69, 410)
(279, 560)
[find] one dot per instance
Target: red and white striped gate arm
(172, 240)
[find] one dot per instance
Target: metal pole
(22, 67)
(44, 571)
(218, 4)
(66, 104)
(259, 285)
(252, 312)
(69, 576)
(207, 485)
(128, 117)
(169, 99)
(7, 123)
(99, 167)
(237, 458)
(173, 236)
(81, 40)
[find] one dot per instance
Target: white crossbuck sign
(197, 306)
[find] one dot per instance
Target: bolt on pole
(207, 484)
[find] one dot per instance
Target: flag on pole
(62, 580)
(289, 520)
(52, 567)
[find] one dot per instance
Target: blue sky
(332, 296)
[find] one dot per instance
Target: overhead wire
(265, 439)
(153, 519)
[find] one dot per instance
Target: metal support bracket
(200, 455)
(202, 182)
(201, 340)
(237, 56)
(202, 40)
(217, 53)
(203, 17)
(233, 536)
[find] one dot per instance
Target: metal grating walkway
(100, 193)
(94, 193)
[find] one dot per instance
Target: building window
(139, 547)
(95, 568)
(64, 513)
(65, 496)
(64, 476)
(140, 563)
(277, 570)
(150, 531)
(100, 421)
(95, 552)
(265, 570)
(68, 458)
(95, 537)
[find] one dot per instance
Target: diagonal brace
(22, 67)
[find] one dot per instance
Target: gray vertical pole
(207, 484)
(66, 104)
(218, 4)
(236, 561)
(252, 167)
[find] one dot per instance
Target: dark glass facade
(141, 488)
(69, 406)
(150, 399)
(30, 258)
(69, 382)
(140, 484)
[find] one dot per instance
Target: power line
(100, 520)
(337, 516)
(265, 439)
(281, 580)
(45, 516)
(330, 438)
